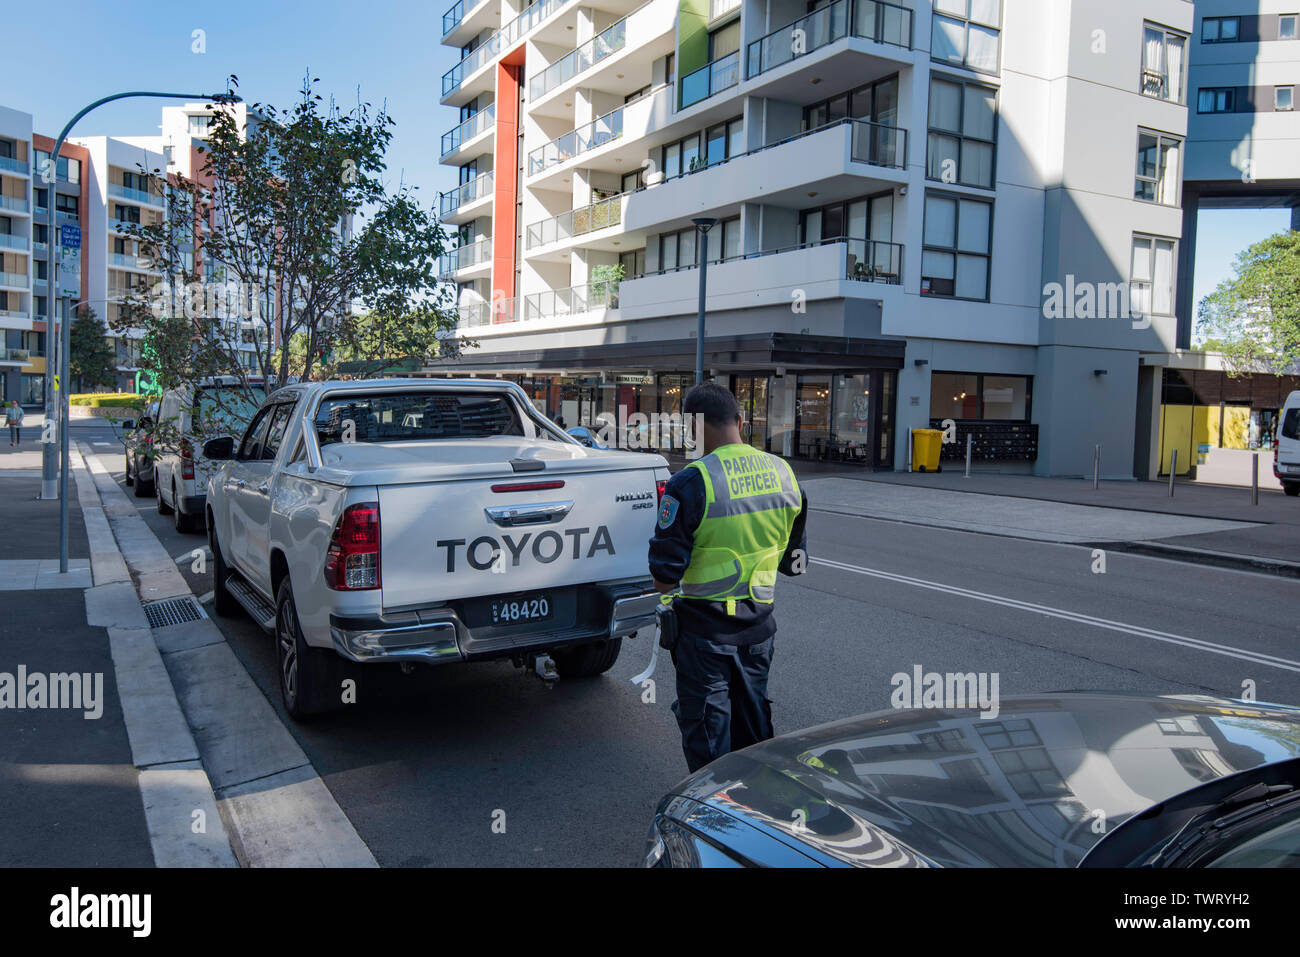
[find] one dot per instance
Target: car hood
(1037, 786)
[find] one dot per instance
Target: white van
(1286, 453)
(218, 406)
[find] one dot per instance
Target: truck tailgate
(446, 540)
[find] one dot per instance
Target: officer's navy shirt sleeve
(798, 541)
(670, 548)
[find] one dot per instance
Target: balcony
(576, 222)
(722, 74)
(869, 20)
(609, 41)
(463, 257)
(122, 225)
(825, 160)
(10, 241)
(16, 204)
(16, 280)
(14, 314)
(498, 43)
(17, 355)
(472, 127)
(598, 132)
(124, 261)
(451, 19)
(572, 301)
(118, 191)
(488, 313)
(480, 187)
(8, 165)
(40, 251)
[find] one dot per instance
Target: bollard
(968, 438)
(1254, 478)
(909, 450)
(1173, 470)
(1096, 467)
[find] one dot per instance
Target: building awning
(757, 351)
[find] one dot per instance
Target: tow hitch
(544, 668)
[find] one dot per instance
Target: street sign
(70, 235)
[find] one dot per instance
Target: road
(424, 765)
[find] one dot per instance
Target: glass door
(813, 416)
(751, 395)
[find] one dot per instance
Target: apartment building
(926, 210)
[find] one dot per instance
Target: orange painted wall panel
(505, 184)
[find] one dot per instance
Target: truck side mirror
(219, 449)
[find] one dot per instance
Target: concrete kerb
(185, 825)
(276, 809)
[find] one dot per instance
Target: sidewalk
(94, 766)
(1202, 523)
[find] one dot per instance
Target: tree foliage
(1253, 317)
(91, 361)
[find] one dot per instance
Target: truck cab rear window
(408, 416)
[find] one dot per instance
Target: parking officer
(727, 523)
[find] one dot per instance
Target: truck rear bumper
(439, 635)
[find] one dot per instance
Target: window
(865, 225)
(1163, 62)
(681, 156)
(955, 255)
(876, 102)
(970, 396)
(198, 125)
(275, 435)
(1157, 168)
(678, 250)
(724, 41)
(409, 416)
(636, 94)
(724, 141)
(1152, 276)
(1216, 100)
(963, 133)
(1283, 97)
(67, 204)
(1220, 29)
(965, 33)
(250, 447)
(633, 263)
(1286, 26)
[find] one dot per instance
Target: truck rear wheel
(310, 678)
(584, 661)
(1291, 488)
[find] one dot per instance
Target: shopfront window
(968, 396)
(851, 439)
(813, 415)
(33, 390)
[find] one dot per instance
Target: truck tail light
(1276, 473)
(352, 562)
(187, 459)
(660, 485)
(528, 486)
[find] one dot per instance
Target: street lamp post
(50, 177)
(702, 226)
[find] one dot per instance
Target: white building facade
(926, 210)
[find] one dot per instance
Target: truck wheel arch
(279, 570)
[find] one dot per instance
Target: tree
(91, 361)
(288, 234)
(1254, 316)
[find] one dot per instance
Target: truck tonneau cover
(434, 460)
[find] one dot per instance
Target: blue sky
(388, 51)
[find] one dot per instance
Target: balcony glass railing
(18, 204)
(13, 279)
(598, 132)
(477, 188)
(17, 355)
(10, 241)
(576, 222)
(488, 313)
(126, 261)
(118, 191)
(122, 225)
(10, 165)
(722, 74)
(465, 256)
(574, 300)
(451, 19)
(471, 128)
(499, 42)
(865, 260)
(869, 19)
(879, 144)
(610, 40)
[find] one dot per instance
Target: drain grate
(172, 611)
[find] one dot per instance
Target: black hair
(716, 404)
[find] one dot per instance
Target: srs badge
(668, 511)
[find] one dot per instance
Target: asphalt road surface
(424, 765)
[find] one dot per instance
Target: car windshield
(226, 410)
(407, 416)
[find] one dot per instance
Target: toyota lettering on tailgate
(483, 552)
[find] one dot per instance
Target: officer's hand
(663, 587)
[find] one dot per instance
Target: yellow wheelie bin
(925, 449)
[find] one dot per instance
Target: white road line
(106, 444)
(1255, 657)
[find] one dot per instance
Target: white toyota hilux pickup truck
(423, 521)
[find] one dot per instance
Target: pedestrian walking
(14, 419)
